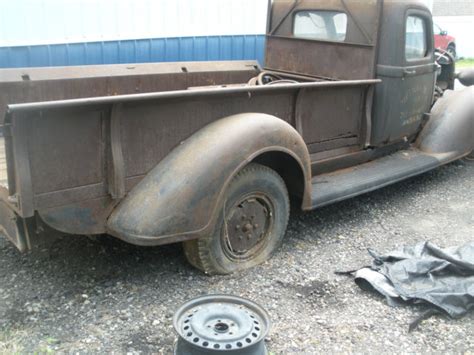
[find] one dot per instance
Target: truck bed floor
(350, 182)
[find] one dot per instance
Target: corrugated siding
(77, 32)
(136, 51)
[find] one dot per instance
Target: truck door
(407, 70)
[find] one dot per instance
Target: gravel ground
(78, 295)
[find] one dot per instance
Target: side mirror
(444, 33)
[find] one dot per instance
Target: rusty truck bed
(72, 160)
(62, 83)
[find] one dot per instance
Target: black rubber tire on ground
(452, 50)
(255, 188)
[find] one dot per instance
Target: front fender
(450, 128)
(179, 198)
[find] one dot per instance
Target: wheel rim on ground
(219, 323)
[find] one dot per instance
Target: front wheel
(250, 227)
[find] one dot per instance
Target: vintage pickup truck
(351, 98)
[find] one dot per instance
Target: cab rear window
(416, 46)
(320, 25)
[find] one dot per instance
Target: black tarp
(442, 278)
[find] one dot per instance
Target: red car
(443, 41)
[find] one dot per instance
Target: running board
(346, 183)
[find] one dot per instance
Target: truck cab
(355, 40)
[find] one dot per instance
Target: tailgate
(11, 225)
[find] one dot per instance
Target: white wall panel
(30, 22)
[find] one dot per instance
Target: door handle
(409, 72)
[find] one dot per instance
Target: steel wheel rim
(218, 323)
(247, 226)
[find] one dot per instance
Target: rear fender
(179, 198)
(450, 128)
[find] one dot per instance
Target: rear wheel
(250, 227)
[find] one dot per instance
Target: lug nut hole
(221, 327)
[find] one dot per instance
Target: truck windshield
(321, 25)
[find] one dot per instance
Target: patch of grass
(10, 341)
(465, 63)
(43, 350)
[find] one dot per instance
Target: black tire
(257, 194)
(452, 50)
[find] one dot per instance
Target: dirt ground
(82, 296)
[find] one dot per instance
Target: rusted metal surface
(3, 164)
(247, 225)
(74, 199)
(23, 187)
(10, 226)
(117, 170)
(363, 17)
(451, 126)
(87, 216)
(406, 92)
(62, 83)
(187, 94)
(143, 141)
(316, 112)
(327, 58)
(285, 54)
(166, 205)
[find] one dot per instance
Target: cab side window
(416, 45)
(321, 25)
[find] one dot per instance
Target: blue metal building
(37, 33)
